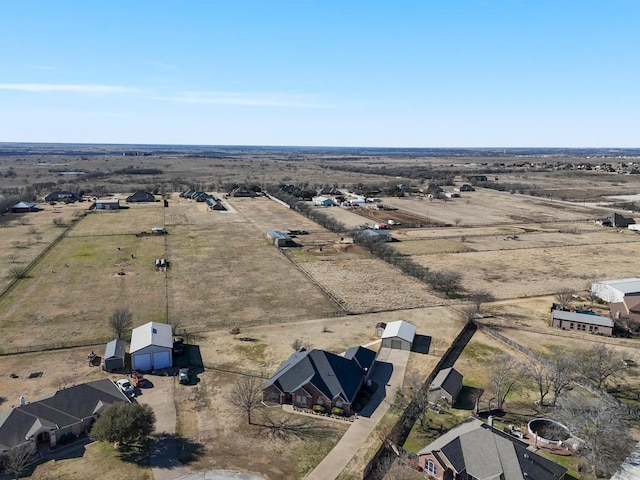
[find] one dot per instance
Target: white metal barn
(614, 291)
(399, 335)
(151, 347)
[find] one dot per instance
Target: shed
(108, 204)
(322, 201)
(114, 354)
(580, 321)
(446, 386)
(399, 335)
(141, 197)
(24, 207)
(380, 326)
(280, 239)
(151, 347)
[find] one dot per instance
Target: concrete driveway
(389, 374)
(163, 447)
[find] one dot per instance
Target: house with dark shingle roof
(70, 411)
(316, 377)
(62, 196)
(473, 449)
(141, 197)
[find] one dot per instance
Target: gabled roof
(582, 318)
(61, 195)
(24, 205)
(362, 356)
(400, 328)
(114, 349)
(141, 196)
(448, 380)
(488, 454)
(62, 409)
(623, 285)
(152, 333)
(331, 374)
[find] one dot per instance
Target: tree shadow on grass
(288, 427)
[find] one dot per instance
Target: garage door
(142, 362)
(161, 360)
(396, 344)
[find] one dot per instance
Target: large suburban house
(141, 197)
(582, 322)
(475, 450)
(316, 377)
(68, 412)
(63, 196)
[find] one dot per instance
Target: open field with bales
(244, 303)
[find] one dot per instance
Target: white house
(399, 335)
(151, 347)
(614, 291)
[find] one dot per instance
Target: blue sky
(423, 73)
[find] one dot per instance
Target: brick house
(475, 450)
(316, 377)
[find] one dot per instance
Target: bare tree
(414, 393)
(246, 396)
(468, 313)
(176, 324)
(479, 297)
(563, 297)
(17, 272)
(505, 375)
(299, 343)
(285, 427)
(599, 364)
(600, 427)
(555, 376)
(120, 321)
(17, 459)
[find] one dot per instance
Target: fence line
(628, 409)
(331, 296)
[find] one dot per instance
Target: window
(301, 400)
(431, 467)
(320, 401)
(571, 327)
(339, 404)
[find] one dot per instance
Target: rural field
(328, 292)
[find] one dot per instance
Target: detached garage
(151, 347)
(399, 335)
(114, 354)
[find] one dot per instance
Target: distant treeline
(138, 171)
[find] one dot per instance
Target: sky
(393, 73)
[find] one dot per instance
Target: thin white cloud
(69, 88)
(242, 99)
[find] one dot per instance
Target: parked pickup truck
(184, 376)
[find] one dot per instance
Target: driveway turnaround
(388, 382)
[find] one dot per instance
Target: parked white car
(126, 387)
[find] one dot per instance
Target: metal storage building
(399, 335)
(114, 355)
(614, 291)
(151, 347)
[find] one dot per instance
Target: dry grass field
(223, 272)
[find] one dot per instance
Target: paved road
(389, 374)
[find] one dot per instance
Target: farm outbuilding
(114, 355)
(614, 291)
(151, 347)
(446, 386)
(280, 239)
(108, 204)
(579, 321)
(322, 201)
(24, 207)
(399, 335)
